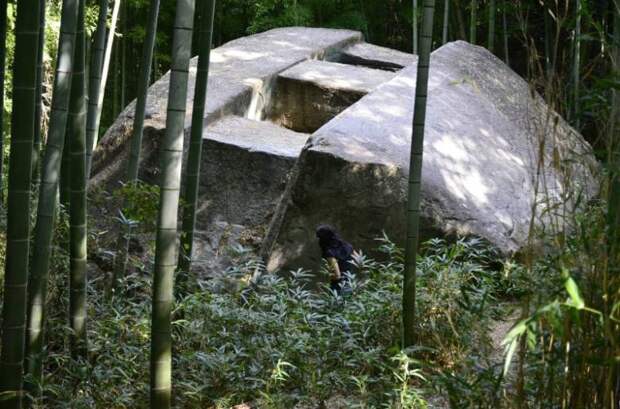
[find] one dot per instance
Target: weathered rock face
(245, 169)
(241, 78)
(481, 163)
(307, 126)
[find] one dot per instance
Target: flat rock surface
(480, 173)
(335, 76)
(256, 136)
(375, 56)
(240, 75)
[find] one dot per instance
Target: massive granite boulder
(307, 126)
(266, 94)
(497, 162)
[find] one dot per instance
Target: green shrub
(280, 341)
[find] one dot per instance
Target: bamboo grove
(70, 140)
(563, 48)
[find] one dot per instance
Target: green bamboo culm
(95, 73)
(18, 214)
(473, 21)
(414, 18)
(415, 175)
(194, 157)
(446, 21)
(46, 206)
(577, 62)
(143, 84)
(548, 67)
(76, 126)
(93, 128)
(613, 207)
(505, 34)
(65, 170)
(133, 166)
(491, 33)
(36, 143)
(171, 154)
(3, 23)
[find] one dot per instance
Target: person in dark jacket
(339, 256)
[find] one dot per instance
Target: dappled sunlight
(237, 54)
(291, 46)
(338, 80)
(467, 185)
(479, 156)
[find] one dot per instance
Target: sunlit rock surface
(241, 78)
(482, 169)
(311, 93)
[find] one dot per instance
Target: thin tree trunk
(491, 37)
(505, 34)
(166, 242)
(3, 24)
(155, 63)
(94, 82)
(77, 202)
(36, 143)
(192, 170)
(458, 11)
(473, 21)
(577, 61)
(613, 200)
(138, 127)
(415, 176)
(123, 56)
(18, 215)
(547, 44)
(65, 175)
(415, 26)
(115, 79)
(93, 135)
(446, 21)
(46, 207)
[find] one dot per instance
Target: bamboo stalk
(414, 20)
(446, 21)
(77, 197)
(491, 34)
(3, 24)
(171, 152)
(18, 215)
(46, 206)
(192, 170)
(91, 138)
(95, 78)
(138, 129)
(473, 21)
(415, 175)
(36, 143)
(505, 35)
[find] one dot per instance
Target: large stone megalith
(308, 125)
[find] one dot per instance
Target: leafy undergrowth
(280, 342)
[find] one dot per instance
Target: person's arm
(333, 268)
